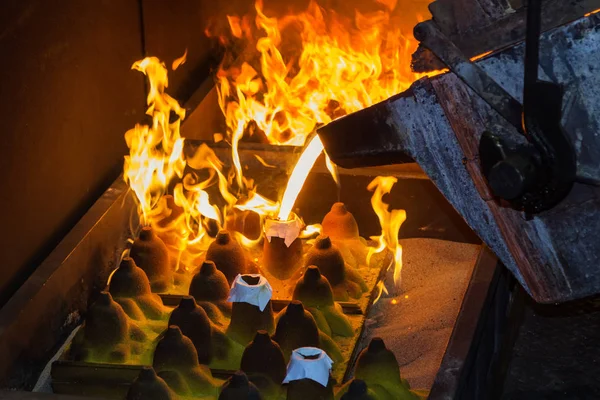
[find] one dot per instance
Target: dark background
(67, 96)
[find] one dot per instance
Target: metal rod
(532, 43)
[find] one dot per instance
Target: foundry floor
(557, 353)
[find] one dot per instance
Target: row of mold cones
(226, 322)
(307, 376)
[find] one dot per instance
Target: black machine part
(535, 176)
(538, 176)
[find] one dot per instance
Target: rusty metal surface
(50, 303)
(368, 137)
(533, 177)
(568, 57)
(436, 148)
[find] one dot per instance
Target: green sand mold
(281, 290)
(378, 368)
(314, 291)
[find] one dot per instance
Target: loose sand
(417, 328)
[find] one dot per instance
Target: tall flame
(335, 174)
(155, 167)
(298, 72)
(155, 152)
(285, 89)
(390, 222)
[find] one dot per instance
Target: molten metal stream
(305, 163)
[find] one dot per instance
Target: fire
(309, 68)
(155, 152)
(258, 204)
(313, 230)
(390, 222)
(298, 72)
(592, 13)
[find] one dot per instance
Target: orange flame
(592, 13)
(338, 67)
(258, 204)
(156, 163)
(179, 61)
(309, 231)
(390, 222)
